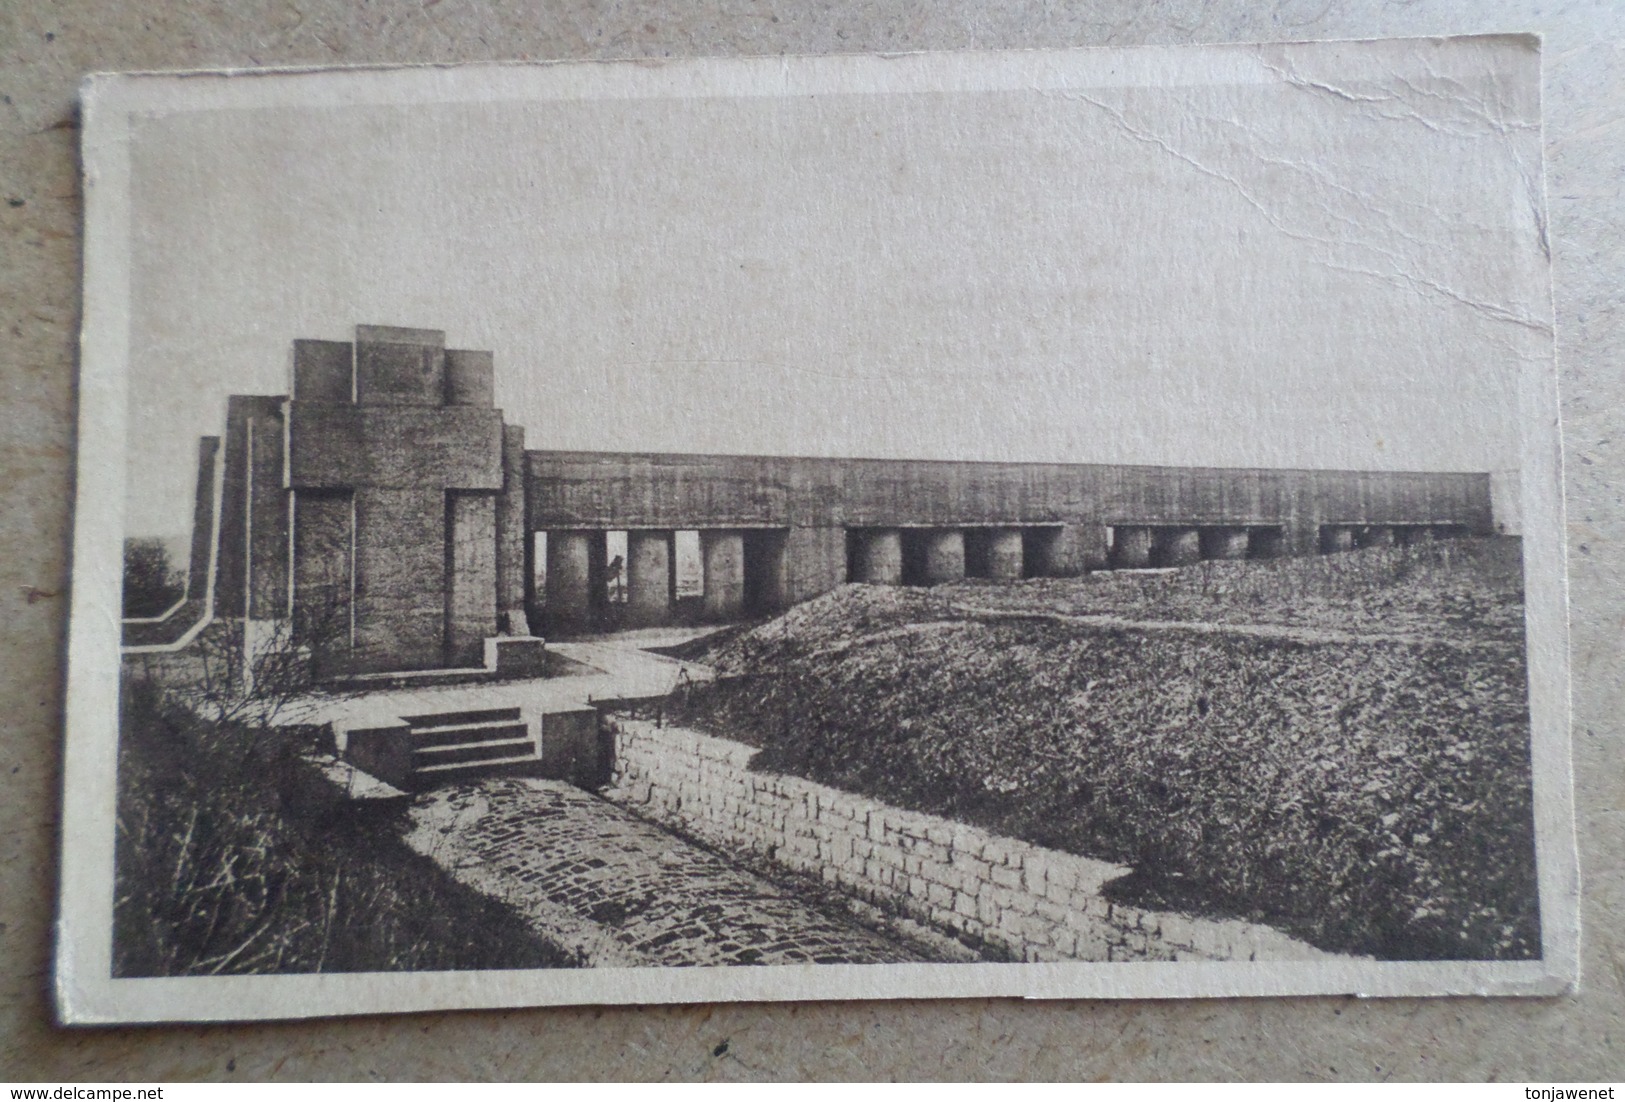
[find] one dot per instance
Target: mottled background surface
(45, 47)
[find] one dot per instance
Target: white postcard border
(88, 995)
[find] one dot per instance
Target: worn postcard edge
(85, 992)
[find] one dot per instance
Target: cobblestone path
(621, 892)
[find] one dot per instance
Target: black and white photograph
(1075, 523)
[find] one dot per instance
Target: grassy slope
(1370, 796)
(234, 857)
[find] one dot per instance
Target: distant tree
(151, 582)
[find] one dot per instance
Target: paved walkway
(621, 892)
(612, 669)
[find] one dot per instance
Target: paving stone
(620, 891)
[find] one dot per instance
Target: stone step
(427, 757)
(462, 718)
(467, 732)
(452, 769)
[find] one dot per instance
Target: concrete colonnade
(1336, 538)
(932, 556)
(743, 571)
(1139, 546)
(750, 571)
(935, 555)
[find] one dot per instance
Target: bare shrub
(260, 673)
(233, 856)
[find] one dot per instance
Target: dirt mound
(1470, 590)
(843, 614)
(1367, 794)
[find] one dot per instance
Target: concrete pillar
(197, 567)
(1176, 546)
(648, 578)
(1005, 557)
(512, 532)
(1378, 535)
(268, 517)
(1065, 550)
(1131, 547)
(251, 577)
(815, 562)
(1336, 538)
(724, 555)
(1301, 536)
(879, 554)
(944, 556)
(569, 580)
(1224, 543)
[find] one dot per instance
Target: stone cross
(394, 460)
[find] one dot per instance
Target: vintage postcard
(1053, 524)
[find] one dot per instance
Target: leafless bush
(234, 856)
(260, 673)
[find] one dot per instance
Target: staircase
(419, 751)
(414, 752)
(449, 745)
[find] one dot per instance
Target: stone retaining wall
(1022, 900)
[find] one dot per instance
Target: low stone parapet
(516, 656)
(1019, 900)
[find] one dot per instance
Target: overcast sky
(1168, 257)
